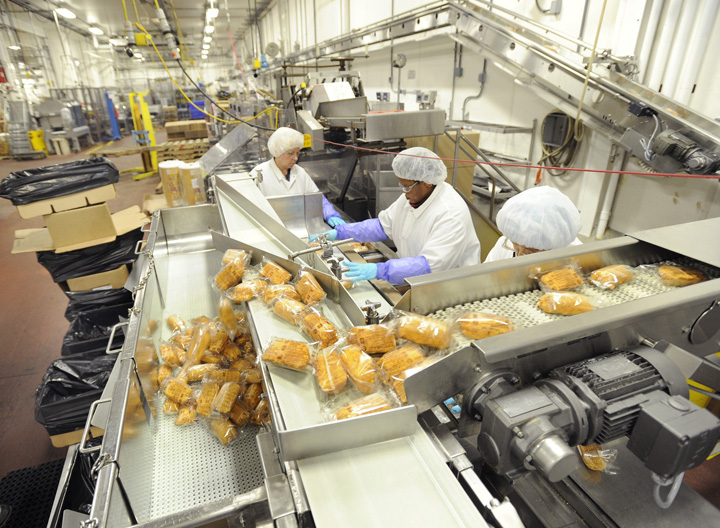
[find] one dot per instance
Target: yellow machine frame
(144, 133)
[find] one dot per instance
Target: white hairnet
(540, 218)
(284, 139)
(432, 171)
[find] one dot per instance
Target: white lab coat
(440, 230)
(275, 184)
(498, 252)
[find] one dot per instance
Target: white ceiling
(108, 16)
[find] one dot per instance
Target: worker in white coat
(538, 219)
(281, 176)
(430, 224)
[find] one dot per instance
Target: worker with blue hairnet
(538, 219)
(430, 224)
(281, 176)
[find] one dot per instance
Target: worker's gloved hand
(358, 272)
(335, 221)
(331, 235)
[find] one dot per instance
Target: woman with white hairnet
(281, 176)
(538, 219)
(430, 224)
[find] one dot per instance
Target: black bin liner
(91, 260)
(83, 301)
(69, 387)
(51, 181)
(89, 331)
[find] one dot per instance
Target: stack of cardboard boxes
(194, 129)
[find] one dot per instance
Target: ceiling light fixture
(13, 47)
(212, 10)
(96, 31)
(62, 11)
(209, 29)
(206, 46)
(207, 39)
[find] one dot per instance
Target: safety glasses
(407, 188)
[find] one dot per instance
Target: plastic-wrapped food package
(373, 339)
(236, 254)
(230, 274)
(397, 382)
(479, 325)
(240, 413)
(287, 353)
(198, 372)
(218, 341)
(164, 372)
(94, 259)
(610, 277)
(680, 275)
(318, 327)
(205, 398)
(400, 359)
(252, 376)
(186, 415)
(288, 309)
(227, 316)
(170, 406)
(226, 396)
(224, 430)
(329, 372)
(51, 181)
(369, 404)
(565, 303)
(246, 290)
(276, 273)
(261, 414)
(253, 395)
(598, 459)
(170, 354)
(309, 288)
(424, 330)
(178, 391)
(561, 279)
(280, 290)
(359, 366)
(176, 323)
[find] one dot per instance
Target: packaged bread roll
(398, 381)
(198, 372)
(329, 372)
(176, 323)
(373, 339)
(253, 395)
(186, 415)
(276, 273)
(206, 397)
(224, 430)
(288, 309)
(236, 254)
(359, 366)
(369, 404)
(227, 316)
(239, 414)
(170, 354)
(319, 328)
(562, 279)
(424, 330)
(261, 414)
(230, 274)
(178, 391)
(241, 364)
(609, 277)
(164, 372)
(231, 351)
(309, 288)
(280, 290)
(252, 376)
(218, 341)
(246, 291)
(680, 275)
(226, 396)
(182, 340)
(478, 325)
(565, 303)
(287, 353)
(402, 358)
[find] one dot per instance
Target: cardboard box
(100, 281)
(186, 129)
(192, 183)
(65, 203)
(74, 437)
(75, 229)
(446, 150)
(153, 202)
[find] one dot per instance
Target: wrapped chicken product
(330, 375)
(171, 354)
(280, 290)
(226, 396)
(373, 339)
(397, 382)
(231, 351)
(565, 303)
(561, 279)
(252, 376)
(610, 277)
(186, 415)
(230, 274)
(176, 323)
(224, 430)
(240, 414)
(288, 309)
(400, 359)
(680, 275)
(598, 459)
(164, 372)
(287, 353)
(359, 366)
(218, 341)
(253, 395)
(247, 290)
(178, 391)
(261, 414)
(424, 330)
(198, 372)
(318, 327)
(369, 404)
(276, 273)
(478, 325)
(309, 288)
(236, 254)
(205, 399)
(170, 406)
(227, 316)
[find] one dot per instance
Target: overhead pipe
(649, 38)
(696, 51)
(679, 48)
(664, 43)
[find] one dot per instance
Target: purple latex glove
(396, 270)
(328, 210)
(366, 231)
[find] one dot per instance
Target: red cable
(699, 176)
(238, 61)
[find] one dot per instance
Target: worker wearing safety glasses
(538, 219)
(281, 176)
(430, 224)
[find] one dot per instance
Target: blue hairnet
(432, 171)
(284, 139)
(540, 218)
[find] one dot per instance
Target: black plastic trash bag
(83, 301)
(91, 260)
(51, 181)
(69, 387)
(90, 330)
